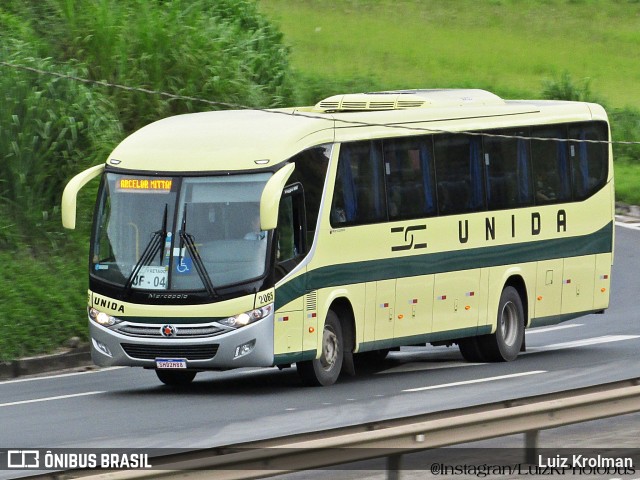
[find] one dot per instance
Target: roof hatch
(403, 99)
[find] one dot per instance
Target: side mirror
(70, 194)
(270, 199)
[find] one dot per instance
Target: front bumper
(110, 347)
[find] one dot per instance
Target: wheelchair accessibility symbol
(184, 266)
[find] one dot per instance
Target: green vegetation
(266, 54)
(555, 49)
(52, 127)
(507, 46)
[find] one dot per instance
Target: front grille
(181, 332)
(151, 352)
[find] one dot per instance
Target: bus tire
(471, 349)
(325, 370)
(504, 345)
(176, 378)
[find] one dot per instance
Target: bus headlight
(102, 318)
(246, 318)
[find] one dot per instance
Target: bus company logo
(169, 331)
(408, 238)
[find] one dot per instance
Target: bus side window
(290, 233)
(508, 170)
(589, 161)
(459, 174)
(358, 196)
(550, 166)
(286, 248)
(311, 171)
(408, 169)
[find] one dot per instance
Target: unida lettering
(99, 302)
(491, 231)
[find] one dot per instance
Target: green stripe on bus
(430, 263)
(424, 338)
(293, 357)
(555, 319)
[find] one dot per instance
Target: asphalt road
(129, 408)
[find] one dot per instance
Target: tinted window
(290, 241)
(589, 161)
(459, 174)
(449, 174)
(358, 197)
(508, 172)
(408, 167)
(310, 171)
(550, 162)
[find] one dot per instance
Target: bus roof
(237, 140)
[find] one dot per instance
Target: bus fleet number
(265, 298)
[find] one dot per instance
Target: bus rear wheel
(176, 378)
(325, 370)
(505, 343)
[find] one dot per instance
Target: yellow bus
(318, 235)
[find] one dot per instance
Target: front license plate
(171, 363)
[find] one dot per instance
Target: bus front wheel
(326, 369)
(505, 343)
(176, 378)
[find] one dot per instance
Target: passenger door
(290, 249)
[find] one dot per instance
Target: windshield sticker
(184, 265)
(144, 184)
(152, 278)
(100, 266)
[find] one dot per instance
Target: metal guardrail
(390, 439)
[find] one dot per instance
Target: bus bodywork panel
(225, 141)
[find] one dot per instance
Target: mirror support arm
(70, 194)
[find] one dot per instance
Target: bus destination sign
(145, 184)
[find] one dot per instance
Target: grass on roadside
(47, 296)
(508, 46)
(627, 178)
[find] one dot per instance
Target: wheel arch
(517, 281)
(344, 309)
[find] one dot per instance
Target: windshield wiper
(187, 240)
(154, 246)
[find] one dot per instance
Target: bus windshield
(179, 233)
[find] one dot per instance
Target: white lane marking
(48, 399)
(417, 367)
(477, 380)
(585, 342)
(631, 226)
(60, 375)
(552, 329)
